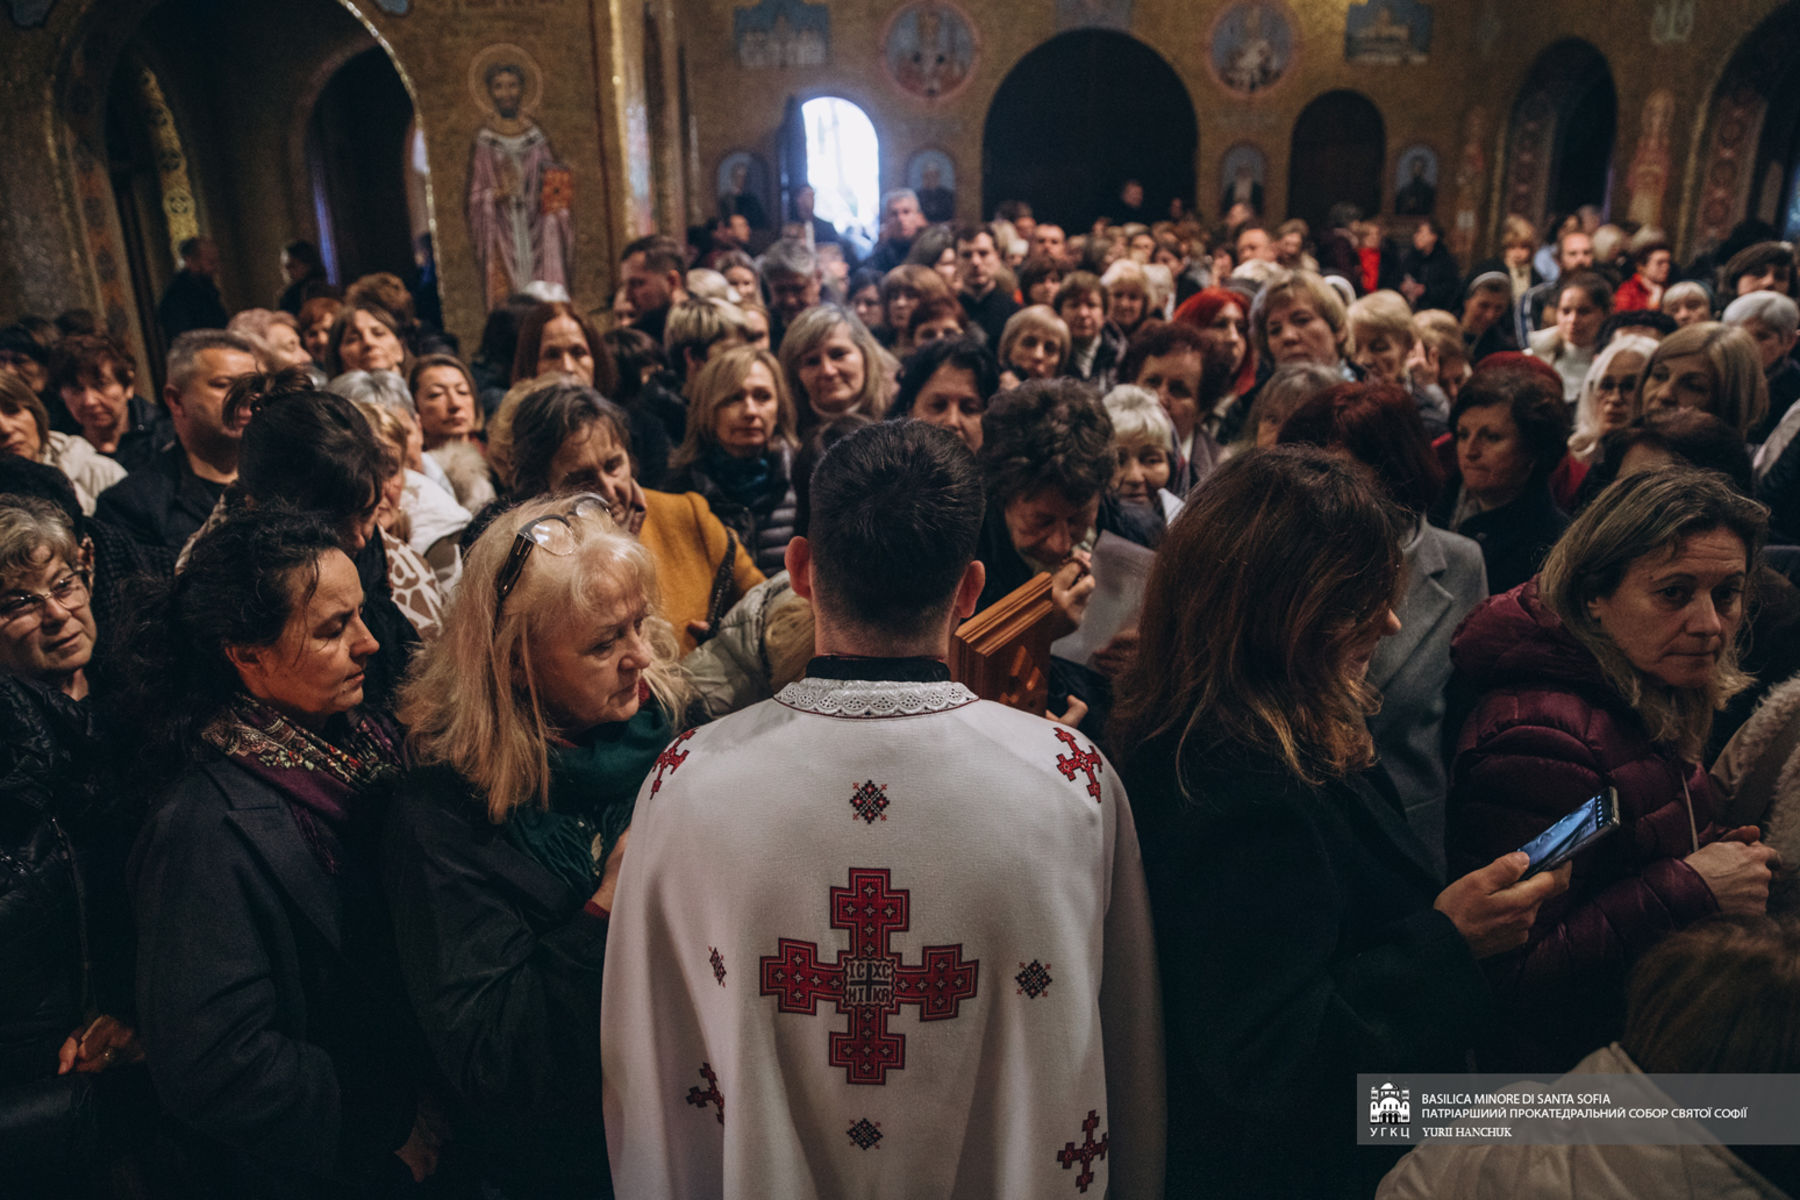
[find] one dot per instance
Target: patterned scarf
(320, 779)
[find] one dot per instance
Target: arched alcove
(287, 122)
(1752, 163)
(1560, 147)
(1338, 154)
(357, 151)
(1053, 136)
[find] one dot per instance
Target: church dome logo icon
(1390, 1105)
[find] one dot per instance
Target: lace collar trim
(873, 698)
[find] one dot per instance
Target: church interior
(130, 125)
(878, 598)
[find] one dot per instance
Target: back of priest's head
(895, 513)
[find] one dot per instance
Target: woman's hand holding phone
(1492, 909)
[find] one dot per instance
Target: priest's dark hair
(895, 513)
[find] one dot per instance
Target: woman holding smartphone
(1302, 932)
(1604, 672)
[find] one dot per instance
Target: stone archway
(1338, 154)
(1563, 128)
(1053, 138)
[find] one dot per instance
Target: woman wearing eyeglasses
(534, 720)
(66, 1047)
(268, 1000)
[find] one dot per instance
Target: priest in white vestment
(876, 937)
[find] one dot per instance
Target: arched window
(843, 165)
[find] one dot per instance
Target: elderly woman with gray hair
(71, 1086)
(1604, 672)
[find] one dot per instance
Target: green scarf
(593, 788)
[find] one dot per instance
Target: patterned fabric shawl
(321, 779)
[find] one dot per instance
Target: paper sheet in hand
(1121, 569)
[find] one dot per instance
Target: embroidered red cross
(1088, 1151)
(1078, 759)
(670, 759)
(712, 1095)
(869, 983)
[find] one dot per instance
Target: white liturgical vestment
(882, 939)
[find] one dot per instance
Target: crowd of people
(426, 773)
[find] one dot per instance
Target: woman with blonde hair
(1298, 317)
(534, 720)
(834, 365)
(1128, 288)
(1709, 366)
(1034, 345)
(1604, 673)
(1609, 392)
(739, 450)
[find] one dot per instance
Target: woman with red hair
(1222, 318)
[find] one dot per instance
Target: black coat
(503, 966)
(1439, 274)
(162, 503)
(990, 313)
(269, 1005)
(1298, 947)
(764, 526)
(190, 302)
(1515, 538)
(64, 830)
(65, 944)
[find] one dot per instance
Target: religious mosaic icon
(782, 33)
(930, 49)
(1416, 182)
(1253, 46)
(1387, 32)
(521, 197)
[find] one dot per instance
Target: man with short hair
(913, 952)
(166, 501)
(822, 232)
(902, 220)
(654, 268)
(978, 264)
(1574, 252)
(1049, 240)
(191, 301)
(792, 275)
(1253, 241)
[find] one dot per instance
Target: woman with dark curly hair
(1512, 429)
(1047, 456)
(268, 997)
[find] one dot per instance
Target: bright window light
(843, 165)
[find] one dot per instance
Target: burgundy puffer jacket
(1547, 732)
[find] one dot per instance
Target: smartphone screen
(1559, 843)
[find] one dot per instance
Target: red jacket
(1547, 732)
(1633, 295)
